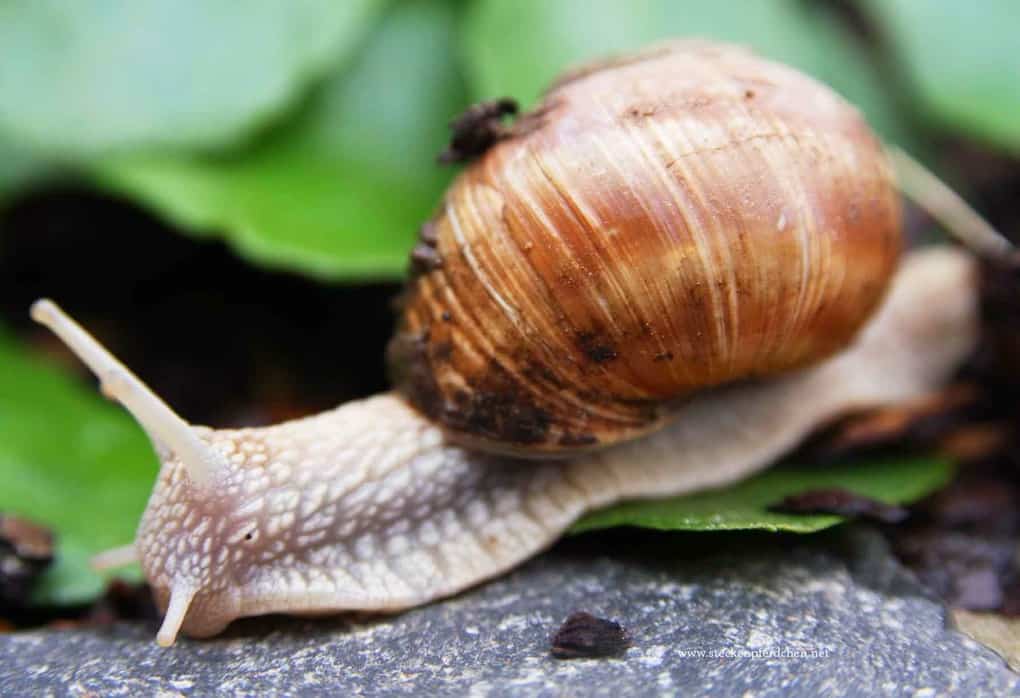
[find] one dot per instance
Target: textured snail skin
(674, 220)
(370, 507)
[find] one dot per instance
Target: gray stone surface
(826, 615)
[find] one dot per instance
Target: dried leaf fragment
(840, 502)
(998, 633)
(912, 421)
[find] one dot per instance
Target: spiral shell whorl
(675, 221)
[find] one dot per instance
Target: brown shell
(678, 219)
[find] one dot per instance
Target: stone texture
(825, 615)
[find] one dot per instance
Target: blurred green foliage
(304, 133)
(340, 189)
(81, 78)
(963, 60)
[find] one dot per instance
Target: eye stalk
(117, 382)
(947, 207)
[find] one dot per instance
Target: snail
(654, 282)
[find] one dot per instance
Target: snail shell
(670, 221)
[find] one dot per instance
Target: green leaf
(340, 190)
(745, 504)
(90, 75)
(963, 59)
(71, 461)
(550, 36)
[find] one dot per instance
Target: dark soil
(223, 342)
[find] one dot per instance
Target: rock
(829, 614)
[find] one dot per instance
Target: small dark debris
(425, 254)
(601, 354)
(842, 503)
(26, 549)
(664, 356)
(595, 349)
(584, 635)
(642, 111)
(424, 258)
(477, 130)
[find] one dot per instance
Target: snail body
(371, 507)
(569, 300)
(663, 223)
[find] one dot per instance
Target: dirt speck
(596, 348)
(585, 635)
(477, 129)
